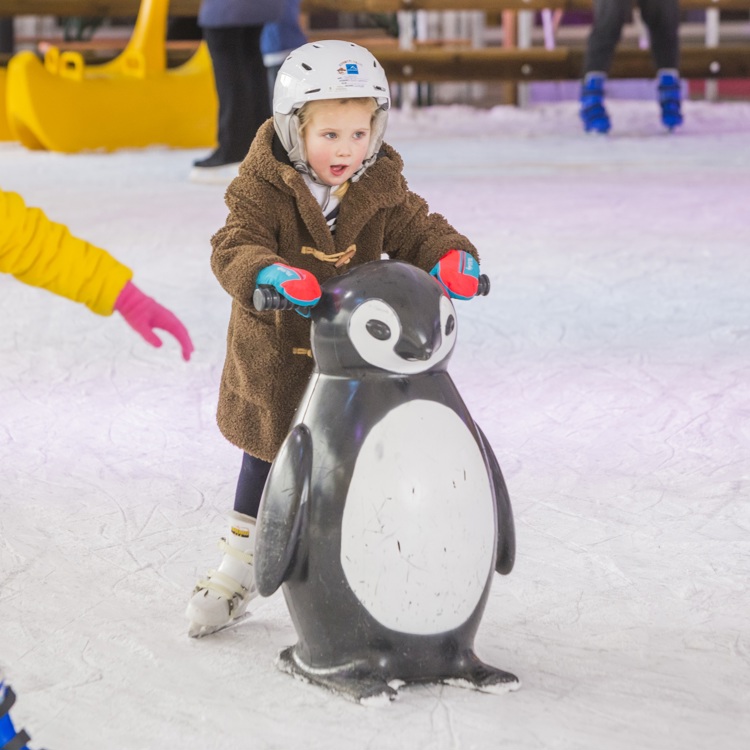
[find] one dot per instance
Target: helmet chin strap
(379, 122)
(288, 131)
(287, 128)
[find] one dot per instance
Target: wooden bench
(126, 8)
(425, 64)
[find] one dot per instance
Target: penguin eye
(450, 324)
(378, 330)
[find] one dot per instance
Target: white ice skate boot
(224, 594)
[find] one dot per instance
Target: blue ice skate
(594, 115)
(9, 738)
(670, 98)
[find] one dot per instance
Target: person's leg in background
(609, 18)
(184, 28)
(242, 89)
(662, 17)
(9, 737)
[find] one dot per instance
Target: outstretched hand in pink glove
(143, 314)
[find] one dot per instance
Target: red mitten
(296, 284)
(458, 274)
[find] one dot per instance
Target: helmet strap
(379, 122)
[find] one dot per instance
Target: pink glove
(143, 314)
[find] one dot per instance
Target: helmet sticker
(350, 75)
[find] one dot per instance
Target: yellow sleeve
(43, 253)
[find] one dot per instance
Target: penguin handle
(267, 298)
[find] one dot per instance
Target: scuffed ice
(609, 368)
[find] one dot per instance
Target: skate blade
(196, 630)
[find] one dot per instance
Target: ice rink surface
(609, 367)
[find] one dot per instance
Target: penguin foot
(348, 681)
(483, 677)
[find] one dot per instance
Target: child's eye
(360, 134)
(330, 136)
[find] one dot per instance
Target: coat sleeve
(45, 254)
(246, 244)
(419, 237)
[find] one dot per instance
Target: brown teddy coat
(273, 217)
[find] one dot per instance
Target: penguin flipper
(506, 533)
(282, 510)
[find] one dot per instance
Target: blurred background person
(232, 30)
(280, 38)
(662, 18)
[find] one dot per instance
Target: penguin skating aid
(385, 514)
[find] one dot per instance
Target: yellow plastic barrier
(132, 101)
(5, 134)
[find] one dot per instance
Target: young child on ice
(44, 253)
(318, 190)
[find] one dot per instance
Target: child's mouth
(338, 169)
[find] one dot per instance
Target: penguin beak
(418, 345)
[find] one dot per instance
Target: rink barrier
(533, 64)
(124, 8)
(537, 64)
(441, 64)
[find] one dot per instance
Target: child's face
(336, 140)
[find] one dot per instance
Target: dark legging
(241, 85)
(662, 17)
(250, 483)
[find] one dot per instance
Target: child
(43, 253)
(318, 190)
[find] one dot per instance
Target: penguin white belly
(418, 528)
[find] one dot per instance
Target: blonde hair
(307, 111)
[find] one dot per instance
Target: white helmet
(331, 69)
